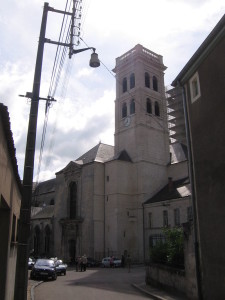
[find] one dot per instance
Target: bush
(170, 252)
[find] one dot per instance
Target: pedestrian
(128, 263)
(84, 262)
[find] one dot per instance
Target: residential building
(202, 82)
(10, 201)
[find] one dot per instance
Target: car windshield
(45, 262)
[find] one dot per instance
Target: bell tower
(140, 107)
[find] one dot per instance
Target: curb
(32, 289)
(143, 290)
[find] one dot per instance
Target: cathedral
(99, 203)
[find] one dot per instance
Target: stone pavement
(154, 293)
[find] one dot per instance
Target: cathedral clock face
(126, 121)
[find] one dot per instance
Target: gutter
(193, 197)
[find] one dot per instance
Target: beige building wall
(10, 201)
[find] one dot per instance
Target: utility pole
(25, 210)
(20, 291)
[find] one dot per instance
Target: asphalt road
(94, 284)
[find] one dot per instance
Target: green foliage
(171, 251)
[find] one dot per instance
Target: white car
(111, 262)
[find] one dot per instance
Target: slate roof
(178, 153)
(4, 116)
(99, 153)
(46, 212)
(179, 189)
(45, 187)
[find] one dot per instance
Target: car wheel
(65, 273)
(54, 277)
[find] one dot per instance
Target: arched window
(132, 81)
(47, 239)
(124, 110)
(124, 84)
(132, 107)
(155, 83)
(147, 80)
(149, 106)
(157, 111)
(73, 200)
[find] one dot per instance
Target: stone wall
(181, 281)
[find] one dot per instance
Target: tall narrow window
(124, 110)
(73, 200)
(132, 81)
(189, 214)
(124, 84)
(176, 217)
(47, 239)
(37, 233)
(147, 80)
(155, 83)
(165, 218)
(157, 110)
(148, 106)
(150, 220)
(132, 107)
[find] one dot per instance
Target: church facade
(98, 200)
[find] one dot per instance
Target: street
(96, 283)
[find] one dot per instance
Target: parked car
(91, 262)
(116, 262)
(31, 263)
(111, 262)
(44, 269)
(60, 267)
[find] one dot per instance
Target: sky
(83, 115)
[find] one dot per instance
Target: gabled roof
(45, 213)
(123, 155)
(4, 117)
(178, 189)
(99, 153)
(45, 187)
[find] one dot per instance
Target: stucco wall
(10, 195)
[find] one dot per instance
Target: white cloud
(84, 112)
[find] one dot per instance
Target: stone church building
(96, 203)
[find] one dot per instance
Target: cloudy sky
(84, 112)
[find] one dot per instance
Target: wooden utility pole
(25, 210)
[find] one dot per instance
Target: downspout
(193, 193)
(143, 218)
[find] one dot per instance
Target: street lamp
(20, 292)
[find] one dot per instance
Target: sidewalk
(156, 293)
